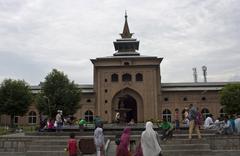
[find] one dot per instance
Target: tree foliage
(58, 93)
(230, 98)
(15, 98)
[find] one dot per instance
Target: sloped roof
(200, 86)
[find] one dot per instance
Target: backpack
(198, 119)
(192, 115)
(117, 139)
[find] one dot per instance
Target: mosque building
(130, 83)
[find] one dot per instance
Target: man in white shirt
(208, 123)
(59, 120)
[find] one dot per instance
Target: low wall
(21, 144)
(9, 144)
(224, 142)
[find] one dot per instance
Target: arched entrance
(129, 103)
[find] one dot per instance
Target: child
(72, 145)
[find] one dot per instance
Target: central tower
(130, 75)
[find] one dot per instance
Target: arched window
(32, 117)
(167, 115)
(16, 120)
(89, 116)
(205, 112)
(114, 77)
(126, 77)
(222, 113)
(139, 77)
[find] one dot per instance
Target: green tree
(230, 98)
(15, 98)
(58, 93)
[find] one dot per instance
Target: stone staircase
(179, 145)
(186, 147)
(47, 147)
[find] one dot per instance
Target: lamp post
(48, 103)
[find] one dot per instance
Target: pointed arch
(133, 97)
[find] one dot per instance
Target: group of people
(149, 144)
(72, 145)
(192, 121)
(51, 124)
(224, 125)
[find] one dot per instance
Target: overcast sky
(39, 35)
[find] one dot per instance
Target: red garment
(72, 147)
(122, 149)
(50, 125)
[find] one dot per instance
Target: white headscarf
(149, 143)
(98, 137)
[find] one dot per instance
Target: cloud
(39, 35)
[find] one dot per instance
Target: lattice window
(89, 116)
(167, 115)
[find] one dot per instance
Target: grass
(27, 129)
(3, 130)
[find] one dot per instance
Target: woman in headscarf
(122, 149)
(99, 141)
(149, 141)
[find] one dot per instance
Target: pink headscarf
(122, 149)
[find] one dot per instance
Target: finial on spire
(126, 14)
(126, 32)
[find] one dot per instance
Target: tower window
(88, 100)
(185, 99)
(139, 77)
(165, 99)
(203, 98)
(126, 77)
(114, 77)
(126, 63)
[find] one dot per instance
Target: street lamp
(49, 108)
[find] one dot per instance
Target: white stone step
(46, 153)
(12, 154)
(186, 147)
(185, 141)
(191, 152)
(46, 148)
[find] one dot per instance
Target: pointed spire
(126, 46)
(126, 32)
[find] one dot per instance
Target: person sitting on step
(167, 129)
